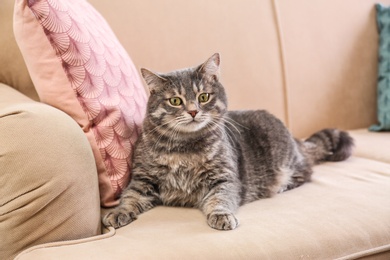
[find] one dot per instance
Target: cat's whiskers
(175, 131)
(158, 126)
(173, 136)
(228, 124)
(158, 141)
(222, 128)
(161, 133)
(234, 123)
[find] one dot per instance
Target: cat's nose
(193, 113)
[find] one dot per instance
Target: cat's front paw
(222, 221)
(118, 217)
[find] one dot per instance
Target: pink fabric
(78, 65)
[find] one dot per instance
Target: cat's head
(187, 100)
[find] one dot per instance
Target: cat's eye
(175, 101)
(204, 97)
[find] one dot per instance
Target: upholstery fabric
(78, 66)
(175, 34)
(383, 21)
(330, 52)
(344, 210)
(13, 71)
(49, 188)
(328, 61)
(371, 145)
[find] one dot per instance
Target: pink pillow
(78, 66)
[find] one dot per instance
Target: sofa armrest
(49, 182)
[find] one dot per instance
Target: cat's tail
(328, 145)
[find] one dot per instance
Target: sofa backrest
(311, 63)
(13, 71)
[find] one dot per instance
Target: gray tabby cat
(194, 153)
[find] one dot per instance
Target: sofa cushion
(343, 212)
(49, 189)
(371, 145)
(383, 22)
(78, 66)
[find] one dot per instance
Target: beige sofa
(311, 63)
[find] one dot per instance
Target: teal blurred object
(383, 21)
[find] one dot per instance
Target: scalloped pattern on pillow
(101, 76)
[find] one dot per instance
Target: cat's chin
(192, 127)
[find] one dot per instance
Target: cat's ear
(153, 80)
(211, 67)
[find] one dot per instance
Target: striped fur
(198, 154)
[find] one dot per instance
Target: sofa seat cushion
(343, 212)
(372, 145)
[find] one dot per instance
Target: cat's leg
(302, 172)
(299, 178)
(220, 204)
(140, 196)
